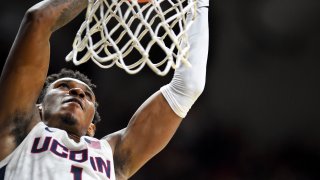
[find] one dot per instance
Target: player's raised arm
(26, 68)
(156, 121)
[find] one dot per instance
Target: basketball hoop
(125, 33)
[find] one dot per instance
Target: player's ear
(91, 130)
(39, 106)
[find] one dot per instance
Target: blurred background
(259, 116)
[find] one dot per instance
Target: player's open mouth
(75, 100)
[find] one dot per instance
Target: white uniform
(49, 154)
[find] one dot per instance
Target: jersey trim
(2, 172)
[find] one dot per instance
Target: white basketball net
(126, 33)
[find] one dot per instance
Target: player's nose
(77, 92)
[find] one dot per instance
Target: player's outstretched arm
(26, 68)
(156, 121)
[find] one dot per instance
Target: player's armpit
(147, 133)
(13, 134)
(119, 160)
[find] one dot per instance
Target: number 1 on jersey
(77, 172)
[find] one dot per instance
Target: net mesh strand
(132, 35)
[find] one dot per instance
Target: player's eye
(63, 85)
(89, 96)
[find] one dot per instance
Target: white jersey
(49, 154)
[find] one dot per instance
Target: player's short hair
(68, 73)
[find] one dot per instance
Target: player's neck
(76, 138)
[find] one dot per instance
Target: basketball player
(53, 139)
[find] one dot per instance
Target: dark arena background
(259, 116)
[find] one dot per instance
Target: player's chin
(69, 119)
(71, 114)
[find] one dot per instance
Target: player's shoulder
(113, 138)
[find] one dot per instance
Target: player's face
(69, 105)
